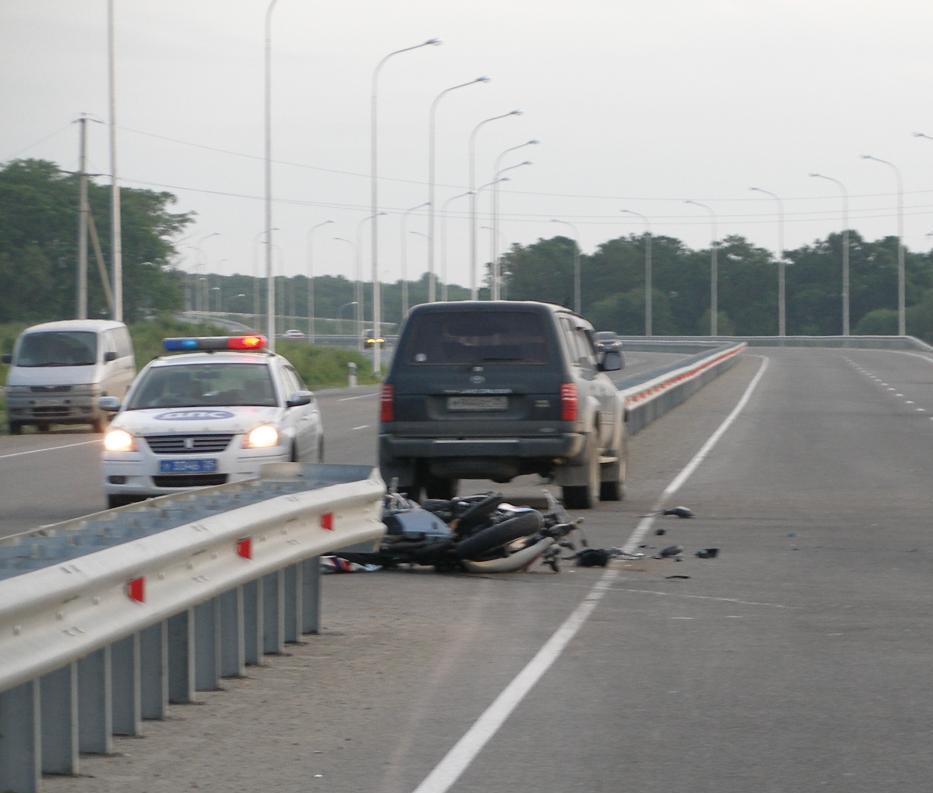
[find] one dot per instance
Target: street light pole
(311, 278)
(901, 280)
(444, 290)
(404, 261)
(355, 259)
(201, 297)
(845, 248)
(475, 195)
(495, 212)
(270, 280)
(494, 241)
(432, 137)
(649, 299)
(576, 263)
(473, 191)
(374, 189)
(358, 293)
(782, 306)
(713, 272)
(115, 222)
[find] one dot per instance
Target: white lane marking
(358, 396)
(734, 601)
(458, 759)
(49, 449)
(644, 525)
(361, 427)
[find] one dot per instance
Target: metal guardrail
(651, 399)
(106, 620)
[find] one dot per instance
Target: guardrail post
(20, 739)
(273, 618)
(207, 645)
(311, 595)
(58, 692)
(95, 703)
(232, 642)
(127, 703)
(293, 603)
(181, 673)
(253, 621)
(351, 374)
(153, 673)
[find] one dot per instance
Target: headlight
(262, 437)
(119, 441)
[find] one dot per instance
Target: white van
(59, 369)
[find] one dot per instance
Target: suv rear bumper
(567, 445)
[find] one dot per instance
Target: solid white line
(646, 522)
(358, 396)
(49, 449)
(361, 427)
(458, 759)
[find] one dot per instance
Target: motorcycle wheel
(497, 535)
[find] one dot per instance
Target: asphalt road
(798, 660)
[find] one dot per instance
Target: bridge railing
(107, 619)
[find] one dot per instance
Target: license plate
(187, 466)
(477, 403)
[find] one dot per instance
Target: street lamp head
(527, 162)
(817, 175)
(516, 113)
(483, 79)
(533, 142)
(432, 43)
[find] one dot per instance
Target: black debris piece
(660, 532)
(593, 557)
(708, 553)
(679, 512)
(677, 576)
(671, 550)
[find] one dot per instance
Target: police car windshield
(204, 385)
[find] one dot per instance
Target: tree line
(38, 254)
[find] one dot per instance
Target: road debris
(679, 512)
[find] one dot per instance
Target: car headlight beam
(117, 440)
(264, 436)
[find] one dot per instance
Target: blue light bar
(175, 345)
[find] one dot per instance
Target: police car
(213, 414)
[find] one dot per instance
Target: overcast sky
(637, 105)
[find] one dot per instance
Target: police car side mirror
(611, 361)
(110, 356)
(299, 398)
(109, 403)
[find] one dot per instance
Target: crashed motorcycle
(482, 533)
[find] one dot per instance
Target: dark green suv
(496, 389)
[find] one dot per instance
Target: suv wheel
(16, 428)
(612, 486)
(585, 496)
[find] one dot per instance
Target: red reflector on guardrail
(136, 590)
(244, 548)
(327, 521)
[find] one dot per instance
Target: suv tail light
(568, 402)
(387, 403)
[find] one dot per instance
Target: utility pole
(81, 308)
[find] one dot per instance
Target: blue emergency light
(195, 343)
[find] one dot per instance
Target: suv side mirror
(7, 358)
(611, 361)
(111, 404)
(299, 398)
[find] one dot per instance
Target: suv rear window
(514, 337)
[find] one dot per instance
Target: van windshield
(470, 336)
(57, 348)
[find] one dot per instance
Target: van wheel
(42, 426)
(114, 501)
(585, 496)
(16, 428)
